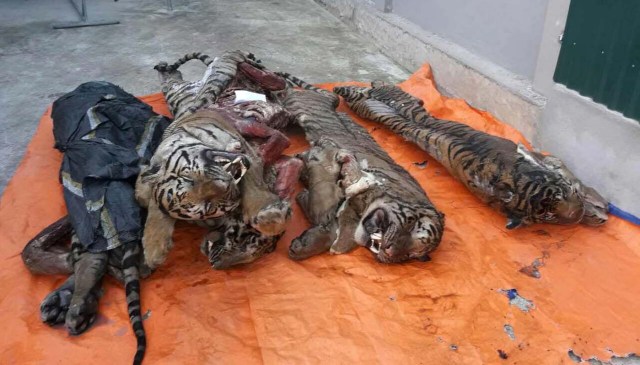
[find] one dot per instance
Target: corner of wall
(597, 144)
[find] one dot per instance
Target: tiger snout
(235, 164)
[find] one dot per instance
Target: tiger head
(596, 207)
(195, 182)
(396, 231)
(548, 196)
(558, 202)
(236, 243)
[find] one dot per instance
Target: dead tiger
(205, 169)
(526, 186)
(356, 194)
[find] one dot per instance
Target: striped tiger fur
(204, 168)
(193, 175)
(504, 175)
(383, 208)
(187, 97)
(75, 302)
(233, 242)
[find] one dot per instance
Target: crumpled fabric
(104, 133)
(459, 308)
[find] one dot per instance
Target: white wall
(601, 146)
(507, 32)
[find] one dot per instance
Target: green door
(600, 53)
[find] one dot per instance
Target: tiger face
(552, 196)
(557, 201)
(396, 231)
(596, 207)
(198, 182)
(236, 243)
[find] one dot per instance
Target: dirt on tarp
(348, 308)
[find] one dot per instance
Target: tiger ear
(144, 184)
(531, 156)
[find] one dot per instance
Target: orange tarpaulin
(348, 308)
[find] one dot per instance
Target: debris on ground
(516, 300)
(573, 356)
(532, 270)
(453, 347)
(615, 359)
(503, 355)
(509, 331)
(146, 315)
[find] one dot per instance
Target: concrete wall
(601, 146)
(506, 32)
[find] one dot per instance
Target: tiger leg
(352, 177)
(313, 241)
(348, 220)
(265, 79)
(48, 251)
(272, 148)
(303, 201)
(350, 171)
(89, 269)
(288, 170)
(157, 238)
(261, 208)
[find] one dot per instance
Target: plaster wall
(601, 146)
(506, 32)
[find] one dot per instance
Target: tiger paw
(366, 182)
(54, 307)
(82, 313)
(272, 220)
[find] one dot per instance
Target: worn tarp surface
(345, 309)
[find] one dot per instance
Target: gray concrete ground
(40, 63)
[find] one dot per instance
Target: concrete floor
(39, 63)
